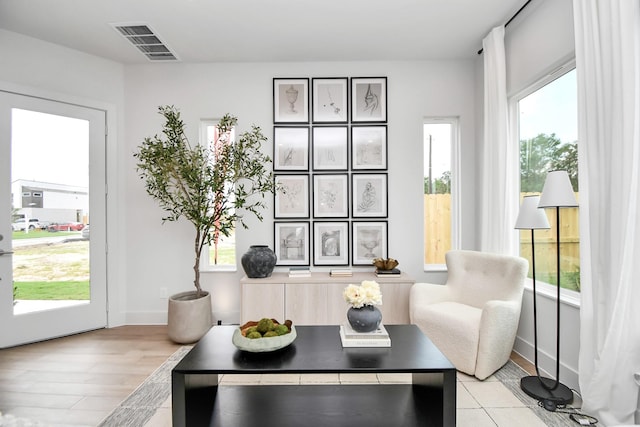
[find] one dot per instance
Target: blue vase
(364, 319)
(258, 262)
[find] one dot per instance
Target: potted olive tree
(212, 186)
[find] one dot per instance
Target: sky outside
(49, 148)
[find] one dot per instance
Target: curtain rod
(511, 19)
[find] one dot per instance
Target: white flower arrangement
(367, 293)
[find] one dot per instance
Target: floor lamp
(532, 218)
(556, 193)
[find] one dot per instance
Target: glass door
(52, 224)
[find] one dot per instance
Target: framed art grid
(291, 100)
(291, 243)
(330, 243)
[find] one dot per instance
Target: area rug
(509, 375)
(142, 404)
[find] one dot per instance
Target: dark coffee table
(430, 400)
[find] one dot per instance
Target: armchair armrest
(498, 328)
(423, 294)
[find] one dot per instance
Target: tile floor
(479, 403)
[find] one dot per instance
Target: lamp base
(532, 385)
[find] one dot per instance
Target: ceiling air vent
(146, 41)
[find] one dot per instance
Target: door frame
(113, 314)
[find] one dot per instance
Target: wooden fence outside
(437, 238)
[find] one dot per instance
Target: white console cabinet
(317, 300)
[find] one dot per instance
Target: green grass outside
(36, 234)
(52, 290)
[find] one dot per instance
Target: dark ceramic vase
(364, 319)
(258, 261)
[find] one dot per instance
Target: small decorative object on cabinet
(363, 316)
(258, 261)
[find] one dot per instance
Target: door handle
(5, 252)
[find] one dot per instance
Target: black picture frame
(369, 195)
(369, 147)
(330, 148)
(291, 242)
(291, 148)
(331, 195)
(290, 100)
(330, 100)
(331, 243)
(291, 198)
(370, 240)
(368, 99)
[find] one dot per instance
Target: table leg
(445, 383)
(192, 398)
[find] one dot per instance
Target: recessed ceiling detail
(146, 41)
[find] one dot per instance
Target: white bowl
(261, 345)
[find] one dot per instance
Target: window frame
(456, 220)
(567, 296)
(205, 265)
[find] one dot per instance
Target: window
(221, 254)
(548, 137)
(440, 190)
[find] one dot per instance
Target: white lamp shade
(530, 216)
(557, 191)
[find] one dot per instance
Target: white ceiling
(267, 30)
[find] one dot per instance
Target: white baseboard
(547, 364)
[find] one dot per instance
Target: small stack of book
(341, 272)
(299, 272)
(388, 273)
(377, 338)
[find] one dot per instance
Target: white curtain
(500, 176)
(607, 34)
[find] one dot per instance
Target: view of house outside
(50, 180)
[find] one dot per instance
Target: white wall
(161, 255)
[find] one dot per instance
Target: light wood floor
(78, 380)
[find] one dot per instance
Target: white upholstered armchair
(473, 318)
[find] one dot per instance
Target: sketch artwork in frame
(369, 147)
(331, 196)
(370, 240)
(330, 100)
(368, 99)
(290, 148)
(291, 196)
(291, 243)
(330, 150)
(330, 243)
(369, 195)
(291, 100)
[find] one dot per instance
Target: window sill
(570, 298)
(435, 268)
(219, 269)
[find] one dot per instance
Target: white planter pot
(189, 318)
